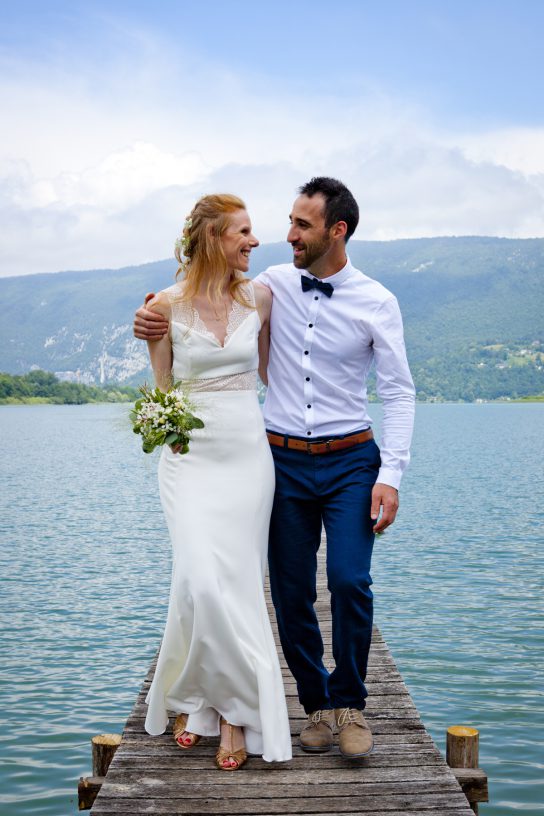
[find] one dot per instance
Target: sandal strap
(179, 725)
(239, 756)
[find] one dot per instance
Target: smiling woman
(214, 249)
(218, 669)
(213, 253)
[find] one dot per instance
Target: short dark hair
(339, 202)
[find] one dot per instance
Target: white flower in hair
(183, 243)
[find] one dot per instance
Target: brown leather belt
(327, 446)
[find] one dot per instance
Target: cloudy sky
(117, 115)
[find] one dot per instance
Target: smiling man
(329, 324)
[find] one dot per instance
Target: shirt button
(310, 325)
(308, 433)
(308, 406)
(306, 352)
(307, 379)
(316, 298)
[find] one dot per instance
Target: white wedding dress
(218, 655)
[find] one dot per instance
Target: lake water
(85, 564)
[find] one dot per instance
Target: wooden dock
(405, 775)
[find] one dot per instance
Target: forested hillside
(472, 311)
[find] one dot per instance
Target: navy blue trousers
(334, 490)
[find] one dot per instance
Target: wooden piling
(104, 747)
(87, 790)
(462, 755)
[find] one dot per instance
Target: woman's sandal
(237, 757)
(180, 729)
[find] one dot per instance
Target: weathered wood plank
(420, 812)
(165, 787)
(223, 805)
(167, 759)
(277, 783)
(409, 732)
(396, 723)
(473, 783)
(297, 769)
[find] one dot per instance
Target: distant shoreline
(44, 388)
(53, 401)
(40, 387)
(124, 400)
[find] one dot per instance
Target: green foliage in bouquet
(164, 418)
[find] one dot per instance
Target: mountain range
(472, 309)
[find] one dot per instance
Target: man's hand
(149, 325)
(386, 498)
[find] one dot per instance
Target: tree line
(43, 386)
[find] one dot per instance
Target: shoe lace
(317, 716)
(347, 716)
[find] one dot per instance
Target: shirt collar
(338, 277)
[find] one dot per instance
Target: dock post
(462, 754)
(104, 747)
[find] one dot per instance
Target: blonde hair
(203, 260)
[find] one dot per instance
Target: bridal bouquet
(164, 418)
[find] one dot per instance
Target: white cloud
(121, 180)
(426, 189)
(101, 173)
(409, 190)
(520, 149)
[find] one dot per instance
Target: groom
(329, 323)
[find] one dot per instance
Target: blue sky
(118, 115)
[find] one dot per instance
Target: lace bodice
(200, 360)
(183, 312)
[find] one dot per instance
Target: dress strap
(181, 310)
(250, 293)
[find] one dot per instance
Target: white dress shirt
(321, 351)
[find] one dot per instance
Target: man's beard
(311, 253)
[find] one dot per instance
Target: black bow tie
(314, 283)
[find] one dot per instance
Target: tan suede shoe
(355, 737)
(316, 736)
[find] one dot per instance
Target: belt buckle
(326, 442)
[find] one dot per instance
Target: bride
(218, 668)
